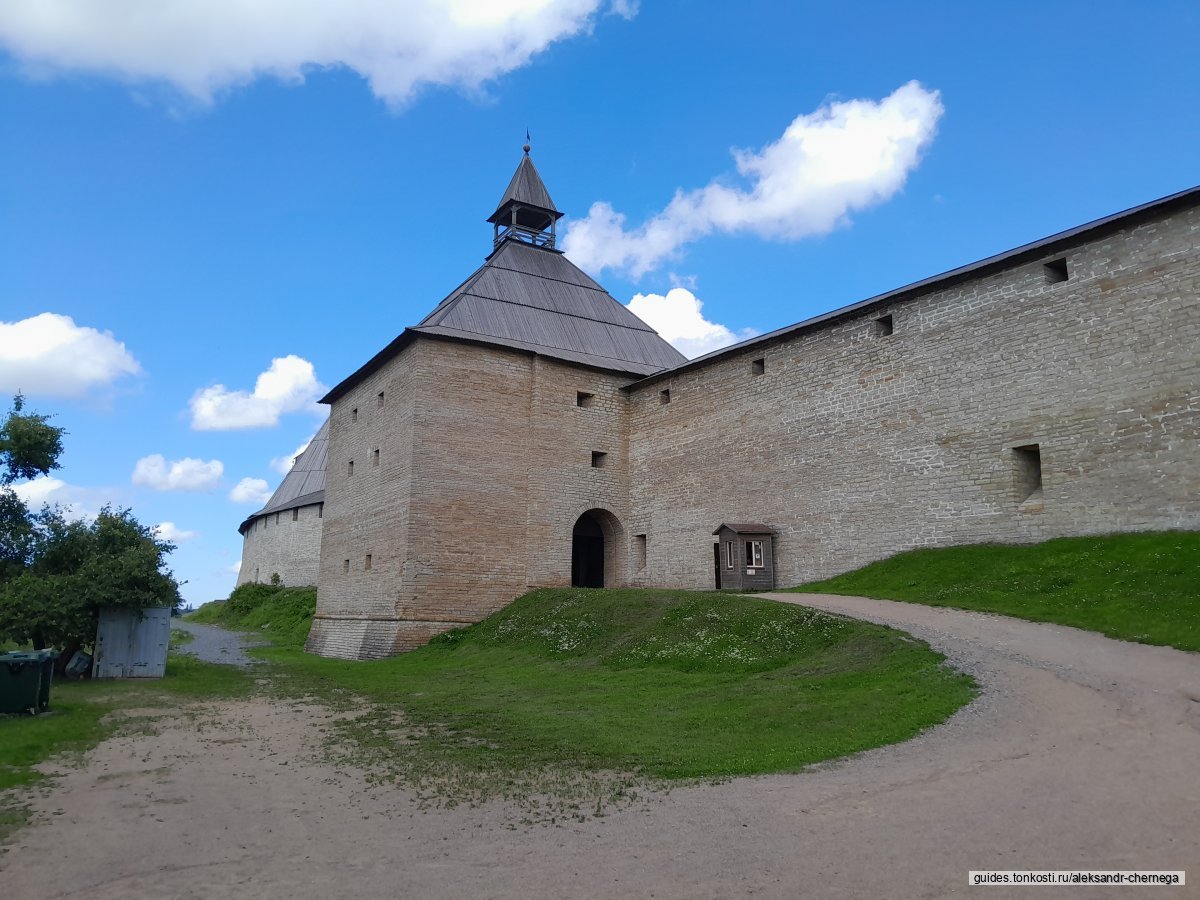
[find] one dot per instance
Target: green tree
(78, 568)
(56, 574)
(29, 446)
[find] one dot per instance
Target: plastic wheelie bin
(25, 678)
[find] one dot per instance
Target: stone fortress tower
(284, 537)
(531, 431)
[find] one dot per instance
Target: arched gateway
(595, 549)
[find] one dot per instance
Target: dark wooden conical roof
(525, 190)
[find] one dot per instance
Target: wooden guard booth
(744, 557)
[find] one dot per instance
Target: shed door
(112, 643)
(148, 640)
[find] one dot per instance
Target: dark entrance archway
(587, 552)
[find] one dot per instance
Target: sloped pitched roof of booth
(745, 529)
(304, 484)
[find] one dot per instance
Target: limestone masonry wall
(856, 444)
(485, 464)
(285, 543)
(1012, 405)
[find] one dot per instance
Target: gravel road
(1079, 754)
(211, 643)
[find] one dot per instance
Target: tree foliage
(76, 569)
(56, 574)
(29, 444)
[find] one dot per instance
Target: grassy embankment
(564, 689)
(1136, 587)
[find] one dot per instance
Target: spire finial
(526, 147)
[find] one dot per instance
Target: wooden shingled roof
(533, 299)
(527, 189)
(304, 483)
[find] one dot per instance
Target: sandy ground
(1082, 753)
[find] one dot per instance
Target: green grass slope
(282, 613)
(1137, 587)
(665, 684)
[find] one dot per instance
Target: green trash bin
(25, 678)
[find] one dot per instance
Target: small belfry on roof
(526, 213)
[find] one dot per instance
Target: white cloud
(168, 531)
(289, 385)
(49, 354)
(283, 464)
(235, 569)
(179, 475)
(203, 46)
(678, 319)
(845, 156)
(79, 503)
(251, 490)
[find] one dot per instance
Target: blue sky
(192, 193)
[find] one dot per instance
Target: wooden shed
(744, 557)
(132, 643)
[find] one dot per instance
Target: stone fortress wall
(286, 543)
(483, 453)
(1055, 392)
(861, 438)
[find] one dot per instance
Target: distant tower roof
(304, 483)
(526, 210)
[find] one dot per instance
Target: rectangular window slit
(758, 366)
(730, 554)
(1056, 271)
(639, 551)
(345, 566)
(379, 399)
(320, 510)
(884, 326)
(583, 399)
(664, 397)
(1027, 464)
(367, 561)
(599, 459)
(295, 515)
(350, 467)
(354, 414)
(375, 457)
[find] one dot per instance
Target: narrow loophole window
(295, 515)
(639, 551)
(375, 457)
(379, 399)
(367, 561)
(350, 467)
(345, 566)
(1027, 471)
(664, 397)
(1056, 271)
(354, 414)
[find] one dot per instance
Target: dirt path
(1082, 753)
(213, 644)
